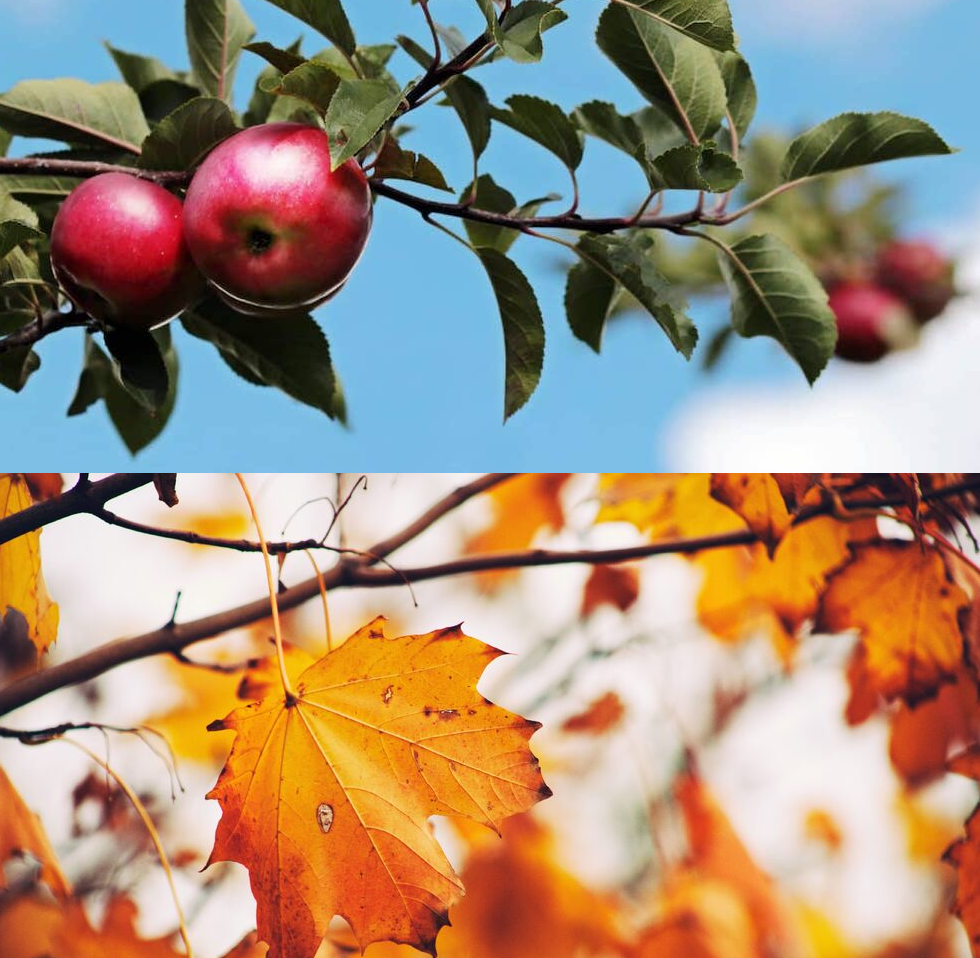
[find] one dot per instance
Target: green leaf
(327, 16)
(138, 365)
(495, 199)
(394, 163)
(290, 353)
(707, 21)
(162, 97)
(523, 328)
(358, 110)
(263, 101)
(13, 319)
(739, 90)
(471, 103)
(311, 82)
(180, 141)
(700, 167)
(603, 121)
(136, 425)
(520, 37)
(674, 72)
(774, 293)
(368, 63)
(18, 224)
(282, 60)
(625, 260)
(38, 188)
(16, 367)
(216, 32)
(857, 139)
(545, 123)
(73, 111)
(139, 71)
(5, 139)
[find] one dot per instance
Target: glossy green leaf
(290, 352)
(18, 224)
(216, 31)
(674, 72)
(395, 163)
(519, 38)
(523, 328)
(140, 71)
(707, 21)
(495, 199)
(695, 167)
(326, 16)
(138, 366)
(625, 260)
(311, 82)
(857, 139)
(774, 293)
(180, 141)
(16, 367)
(740, 90)
(282, 60)
(358, 110)
(545, 123)
(99, 114)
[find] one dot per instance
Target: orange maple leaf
(21, 583)
(603, 715)
(33, 927)
(899, 596)
(757, 498)
(522, 507)
(618, 586)
(21, 832)
(325, 797)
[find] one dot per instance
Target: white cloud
(826, 19)
(916, 410)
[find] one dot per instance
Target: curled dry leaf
(21, 583)
(44, 485)
(326, 796)
(21, 833)
(899, 596)
(757, 498)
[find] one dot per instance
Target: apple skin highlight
(118, 251)
(269, 223)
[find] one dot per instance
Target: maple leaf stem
(151, 830)
(271, 583)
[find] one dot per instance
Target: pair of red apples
(265, 222)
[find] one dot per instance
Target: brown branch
(359, 574)
(45, 166)
(48, 323)
(85, 497)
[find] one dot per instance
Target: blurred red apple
(118, 251)
(871, 321)
(917, 272)
(269, 223)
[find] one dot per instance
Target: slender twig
(45, 166)
(359, 573)
(45, 324)
(83, 498)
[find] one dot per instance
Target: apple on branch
(270, 225)
(871, 321)
(118, 251)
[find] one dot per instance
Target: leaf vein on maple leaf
(411, 742)
(367, 829)
(376, 678)
(471, 731)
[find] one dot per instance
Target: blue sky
(415, 334)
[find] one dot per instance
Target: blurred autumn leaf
(21, 583)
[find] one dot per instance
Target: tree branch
(86, 497)
(48, 323)
(45, 166)
(172, 638)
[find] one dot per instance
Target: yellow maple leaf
(21, 583)
(326, 796)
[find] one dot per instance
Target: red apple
(870, 321)
(118, 251)
(919, 273)
(270, 224)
